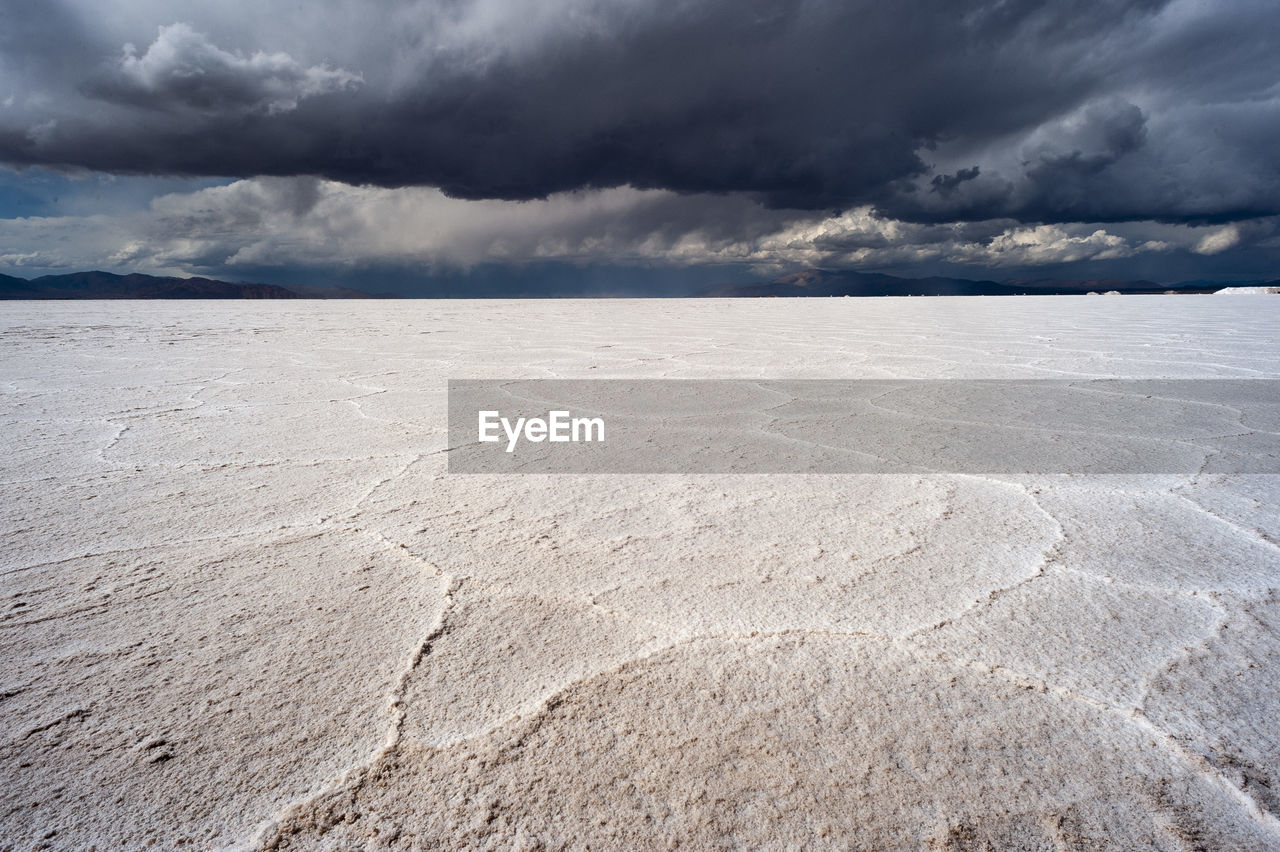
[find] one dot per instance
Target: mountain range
(817, 282)
(107, 285)
(810, 282)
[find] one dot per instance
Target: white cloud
(182, 67)
(1045, 244)
(1219, 241)
(306, 222)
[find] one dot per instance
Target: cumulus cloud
(1218, 241)
(955, 110)
(265, 221)
(1051, 244)
(182, 69)
(314, 223)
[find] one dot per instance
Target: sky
(664, 144)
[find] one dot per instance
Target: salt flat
(245, 605)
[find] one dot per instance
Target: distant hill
(810, 282)
(817, 282)
(308, 292)
(107, 285)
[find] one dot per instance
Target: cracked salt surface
(244, 606)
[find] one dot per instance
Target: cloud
(1218, 241)
(955, 110)
(266, 221)
(1051, 244)
(182, 69)
(312, 223)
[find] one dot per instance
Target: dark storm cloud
(946, 184)
(935, 110)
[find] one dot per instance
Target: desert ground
(246, 606)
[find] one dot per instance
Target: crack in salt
(1048, 557)
(351, 780)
